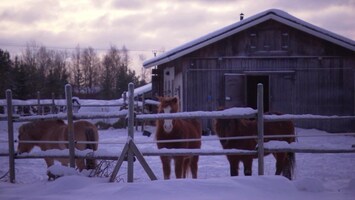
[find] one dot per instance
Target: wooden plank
(68, 95)
(10, 130)
(92, 115)
(143, 162)
(193, 152)
(260, 121)
(310, 150)
(199, 152)
(119, 162)
(230, 113)
(130, 155)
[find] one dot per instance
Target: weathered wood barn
(305, 70)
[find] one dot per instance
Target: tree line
(45, 70)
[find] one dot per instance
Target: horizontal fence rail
(91, 115)
(228, 113)
(271, 118)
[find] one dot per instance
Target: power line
(72, 48)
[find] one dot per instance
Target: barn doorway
(252, 87)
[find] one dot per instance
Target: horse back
(53, 131)
(280, 128)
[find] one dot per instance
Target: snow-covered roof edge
(274, 14)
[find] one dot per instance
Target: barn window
(253, 41)
(284, 41)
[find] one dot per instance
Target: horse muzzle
(168, 126)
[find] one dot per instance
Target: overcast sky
(147, 25)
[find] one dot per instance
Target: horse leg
(179, 164)
(289, 164)
(165, 160)
(248, 164)
(80, 163)
(280, 162)
(233, 165)
(194, 166)
(187, 163)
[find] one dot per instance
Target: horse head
(168, 105)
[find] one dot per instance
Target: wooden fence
(130, 149)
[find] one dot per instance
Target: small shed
(305, 70)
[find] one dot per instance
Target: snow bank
(258, 187)
(60, 170)
(310, 185)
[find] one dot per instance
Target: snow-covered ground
(317, 176)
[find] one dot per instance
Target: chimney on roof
(241, 16)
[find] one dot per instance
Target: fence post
(143, 105)
(260, 119)
(10, 130)
(39, 107)
(130, 156)
(68, 96)
(53, 104)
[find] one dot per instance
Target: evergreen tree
(5, 72)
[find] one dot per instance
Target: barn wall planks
(306, 75)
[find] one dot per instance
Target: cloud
(131, 4)
(28, 14)
(148, 25)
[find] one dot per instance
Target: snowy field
(317, 176)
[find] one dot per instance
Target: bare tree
(111, 64)
(91, 70)
(45, 70)
(77, 78)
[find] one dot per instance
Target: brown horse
(285, 162)
(171, 129)
(57, 130)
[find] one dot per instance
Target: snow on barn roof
(275, 14)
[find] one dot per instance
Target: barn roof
(275, 14)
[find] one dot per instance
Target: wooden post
(68, 96)
(137, 108)
(124, 99)
(260, 118)
(130, 156)
(53, 104)
(124, 107)
(143, 105)
(39, 109)
(10, 131)
(130, 149)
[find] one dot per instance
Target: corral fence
(130, 150)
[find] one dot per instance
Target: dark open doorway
(252, 85)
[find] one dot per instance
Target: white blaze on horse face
(168, 123)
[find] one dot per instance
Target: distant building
(305, 70)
